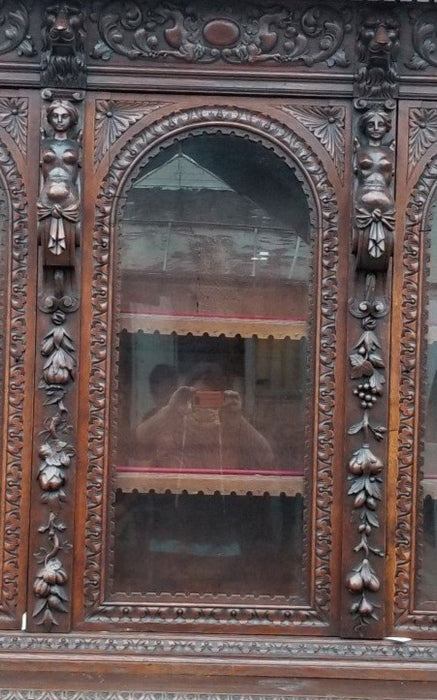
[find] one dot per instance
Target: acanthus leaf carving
(327, 125)
(135, 30)
(14, 25)
(113, 118)
(13, 118)
(424, 38)
(422, 124)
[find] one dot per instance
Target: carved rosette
(256, 126)
(422, 123)
(13, 119)
(135, 30)
(113, 118)
(327, 125)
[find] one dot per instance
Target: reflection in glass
(427, 580)
(212, 373)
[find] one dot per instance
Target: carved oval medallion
(221, 32)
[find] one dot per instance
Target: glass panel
(213, 373)
(427, 579)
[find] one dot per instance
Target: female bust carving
(374, 167)
(58, 205)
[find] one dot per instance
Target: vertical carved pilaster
(59, 213)
(63, 56)
(372, 246)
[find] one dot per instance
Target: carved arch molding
(300, 156)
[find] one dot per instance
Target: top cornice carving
(202, 33)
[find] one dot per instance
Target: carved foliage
(409, 378)
(15, 382)
(55, 453)
(378, 44)
(424, 39)
(327, 125)
(268, 131)
(367, 368)
(13, 118)
(14, 24)
(63, 58)
(422, 133)
(139, 30)
(113, 118)
(374, 225)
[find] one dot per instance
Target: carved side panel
(14, 28)
(369, 339)
(13, 221)
(412, 368)
(246, 34)
(154, 611)
(59, 214)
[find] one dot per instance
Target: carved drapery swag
(374, 223)
(59, 220)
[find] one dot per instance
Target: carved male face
(64, 26)
(378, 38)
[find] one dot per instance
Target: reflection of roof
(181, 173)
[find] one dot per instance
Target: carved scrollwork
(63, 57)
(13, 118)
(422, 124)
(327, 125)
(378, 44)
(14, 25)
(269, 132)
(424, 39)
(137, 30)
(113, 118)
(59, 200)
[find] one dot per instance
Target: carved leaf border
(15, 381)
(271, 132)
(410, 376)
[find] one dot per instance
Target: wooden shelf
(208, 483)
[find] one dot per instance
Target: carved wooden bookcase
(256, 184)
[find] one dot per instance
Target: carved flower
(327, 125)
(113, 118)
(13, 118)
(423, 132)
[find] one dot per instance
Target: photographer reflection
(202, 427)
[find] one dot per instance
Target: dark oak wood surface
(345, 97)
